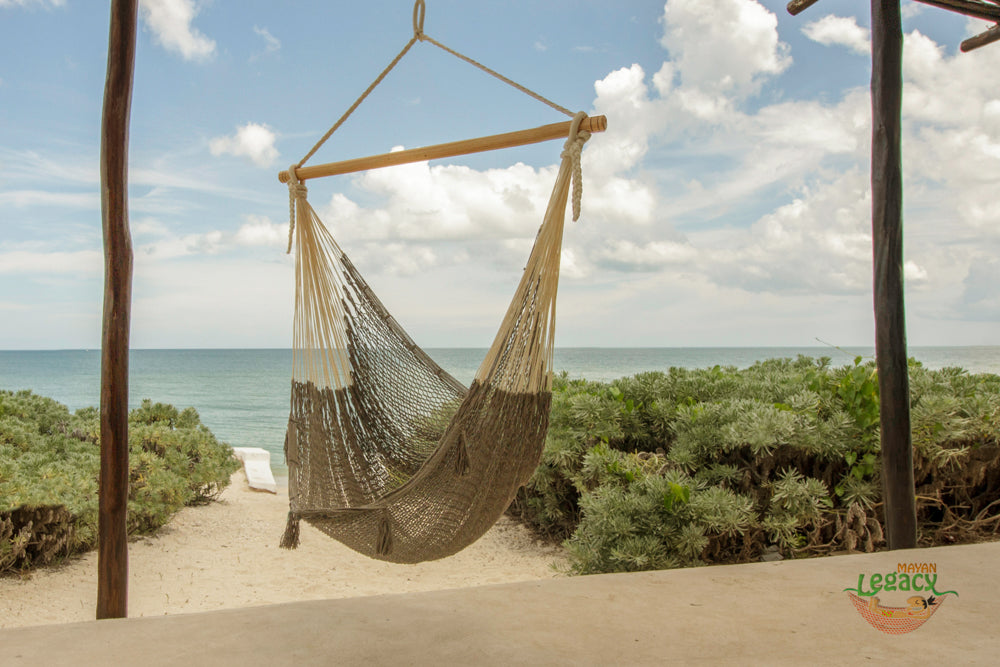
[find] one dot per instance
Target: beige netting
(386, 451)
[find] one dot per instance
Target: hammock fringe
(290, 538)
(383, 545)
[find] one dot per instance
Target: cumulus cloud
(252, 140)
(781, 201)
(723, 47)
(444, 202)
(840, 30)
(623, 95)
(170, 22)
(819, 243)
(704, 195)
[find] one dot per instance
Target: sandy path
(225, 555)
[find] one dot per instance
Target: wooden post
(112, 539)
(887, 241)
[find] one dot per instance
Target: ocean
(243, 395)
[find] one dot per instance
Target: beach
(225, 555)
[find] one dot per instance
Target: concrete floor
(789, 612)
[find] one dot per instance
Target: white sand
(225, 555)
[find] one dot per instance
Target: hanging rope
(573, 147)
(357, 102)
(419, 11)
(526, 91)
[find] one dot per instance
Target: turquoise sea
(242, 395)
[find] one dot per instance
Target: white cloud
(714, 197)
(149, 227)
(623, 97)
(170, 22)
(252, 140)
(447, 202)
(819, 244)
(913, 273)
(723, 47)
(710, 204)
(844, 31)
(205, 299)
(271, 43)
(258, 230)
(170, 247)
(160, 242)
(400, 259)
(39, 263)
(909, 9)
(27, 198)
(46, 4)
(654, 255)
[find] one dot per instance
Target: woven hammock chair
(386, 451)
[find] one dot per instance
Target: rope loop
(573, 150)
(296, 191)
(419, 11)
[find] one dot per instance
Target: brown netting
(386, 451)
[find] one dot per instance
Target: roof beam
(987, 10)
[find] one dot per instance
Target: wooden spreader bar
(466, 147)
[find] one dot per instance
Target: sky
(728, 204)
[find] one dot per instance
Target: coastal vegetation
(781, 459)
(657, 470)
(49, 466)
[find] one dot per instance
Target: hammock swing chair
(386, 451)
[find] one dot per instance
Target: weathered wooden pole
(887, 243)
(112, 539)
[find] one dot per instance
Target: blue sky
(728, 204)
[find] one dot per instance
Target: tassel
(462, 460)
(290, 539)
(383, 544)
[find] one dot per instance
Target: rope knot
(573, 149)
(296, 191)
(419, 10)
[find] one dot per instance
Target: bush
(50, 463)
(718, 465)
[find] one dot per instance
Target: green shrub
(782, 455)
(50, 463)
